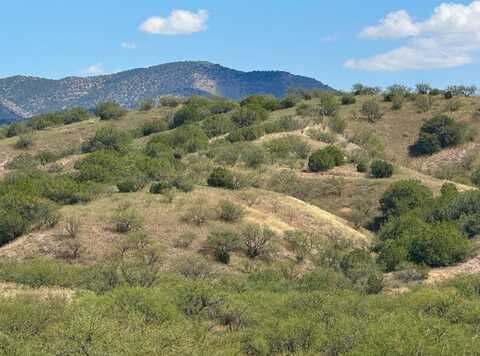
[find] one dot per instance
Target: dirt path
(437, 275)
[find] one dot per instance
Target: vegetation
(130, 246)
(109, 111)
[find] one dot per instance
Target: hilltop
(22, 96)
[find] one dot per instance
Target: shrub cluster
(325, 159)
(109, 110)
(437, 133)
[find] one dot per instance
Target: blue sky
(338, 42)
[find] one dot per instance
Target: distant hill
(22, 96)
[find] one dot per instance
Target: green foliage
(423, 103)
(381, 169)
(337, 124)
(109, 111)
(475, 177)
(188, 114)
(371, 109)
(257, 241)
(249, 115)
(185, 139)
(404, 196)
(249, 133)
(328, 104)
(288, 147)
(254, 156)
(108, 138)
(267, 102)
(24, 142)
(147, 104)
(217, 125)
(222, 178)
(170, 101)
(325, 159)
(348, 99)
(126, 219)
(437, 133)
(397, 102)
(230, 212)
(222, 243)
(152, 127)
(131, 184)
(64, 117)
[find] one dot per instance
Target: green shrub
(423, 103)
(160, 187)
(126, 219)
(257, 241)
(267, 102)
(131, 184)
(328, 104)
(170, 101)
(288, 147)
(22, 161)
(102, 166)
(475, 177)
(321, 161)
(249, 115)
(249, 133)
(65, 190)
(185, 240)
(336, 153)
(147, 104)
(381, 169)
(109, 111)
(404, 196)
(397, 102)
(253, 156)
(337, 124)
(325, 159)
(437, 133)
(348, 100)
(108, 138)
(222, 178)
(453, 105)
(362, 166)
(24, 142)
(188, 114)
(152, 127)
(306, 109)
(321, 135)
(371, 109)
(222, 243)
(230, 212)
(217, 125)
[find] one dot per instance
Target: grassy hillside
(292, 226)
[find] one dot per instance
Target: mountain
(22, 96)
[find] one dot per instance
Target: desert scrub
(126, 219)
(230, 212)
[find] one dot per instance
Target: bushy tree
(404, 196)
(222, 243)
(439, 132)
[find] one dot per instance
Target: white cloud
(395, 25)
(94, 69)
(449, 38)
(128, 45)
(179, 22)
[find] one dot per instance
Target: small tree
(475, 178)
(126, 219)
(24, 142)
(257, 241)
(300, 243)
(371, 109)
(423, 103)
(222, 243)
(222, 178)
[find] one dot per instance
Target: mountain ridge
(31, 95)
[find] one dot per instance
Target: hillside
(22, 96)
(202, 227)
